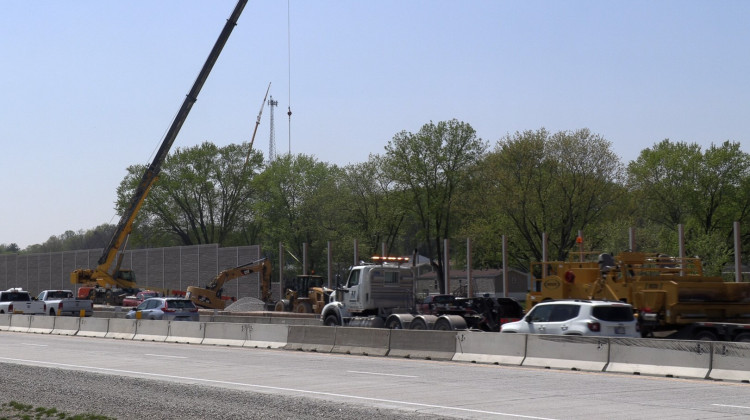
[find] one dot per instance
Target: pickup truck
(19, 301)
(63, 302)
(139, 297)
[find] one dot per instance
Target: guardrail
(659, 357)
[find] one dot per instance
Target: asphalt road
(379, 384)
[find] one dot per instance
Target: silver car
(578, 317)
(167, 308)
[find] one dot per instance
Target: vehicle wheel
(706, 336)
(303, 308)
(331, 321)
(418, 324)
(743, 338)
(108, 296)
(281, 306)
(443, 324)
(394, 324)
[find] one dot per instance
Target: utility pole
(272, 140)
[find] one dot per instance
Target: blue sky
(90, 87)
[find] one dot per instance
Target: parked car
(139, 297)
(578, 317)
(166, 308)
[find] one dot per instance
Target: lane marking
(35, 345)
(165, 355)
(274, 388)
(730, 406)
(381, 374)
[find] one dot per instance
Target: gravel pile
(121, 397)
(246, 304)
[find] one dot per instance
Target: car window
(540, 313)
(353, 278)
(613, 313)
(564, 312)
(142, 306)
(180, 304)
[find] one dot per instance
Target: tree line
(444, 182)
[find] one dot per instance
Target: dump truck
(671, 295)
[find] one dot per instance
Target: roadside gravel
(120, 397)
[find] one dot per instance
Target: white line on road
(35, 345)
(276, 388)
(730, 406)
(165, 355)
(382, 374)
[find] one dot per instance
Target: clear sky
(90, 87)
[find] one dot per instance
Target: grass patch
(18, 411)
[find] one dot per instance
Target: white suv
(578, 317)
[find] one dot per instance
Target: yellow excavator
(304, 294)
(108, 282)
(210, 297)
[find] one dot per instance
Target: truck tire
(282, 306)
(303, 308)
(418, 324)
(331, 321)
(743, 338)
(706, 335)
(450, 323)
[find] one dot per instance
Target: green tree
(430, 167)
(202, 196)
(297, 197)
(536, 182)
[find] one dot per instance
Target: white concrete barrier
(311, 338)
(186, 332)
(730, 361)
(151, 330)
(66, 325)
(41, 324)
(674, 358)
(123, 329)
(423, 344)
(267, 336)
(19, 323)
(225, 334)
(4, 322)
(482, 347)
(567, 352)
(93, 327)
(364, 341)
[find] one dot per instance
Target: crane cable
(289, 70)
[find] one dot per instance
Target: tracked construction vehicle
(669, 294)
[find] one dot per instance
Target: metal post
(304, 258)
(737, 253)
(631, 239)
(468, 268)
(281, 264)
(506, 280)
(330, 264)
(382, 249)
(681, 239)
(447, 265)
(544, 254)
(356, 252)
(579, 239)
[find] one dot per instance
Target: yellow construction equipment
(210, 297)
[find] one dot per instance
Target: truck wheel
(706, 336)
(743, 338)
(281, 306)
(331, 321)
(303, 308)
(418, 324)
(443, 324)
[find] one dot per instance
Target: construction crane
(108, 279)
(272, 137)
(257, 123)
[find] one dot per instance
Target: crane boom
(104, 275)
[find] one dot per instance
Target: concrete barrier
(311, 338)
(225, 334)
(41, 324)
(66, 325)
(151, 330)
(423, 344)
(567, 352)
(19, 323)
(123, 329)
(730, 361)
(186, 332)
(267, 336)
(482, 347)
(93, 327)
(4, 322)
(678, 358)
(364, 341)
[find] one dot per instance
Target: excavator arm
(210, 296)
